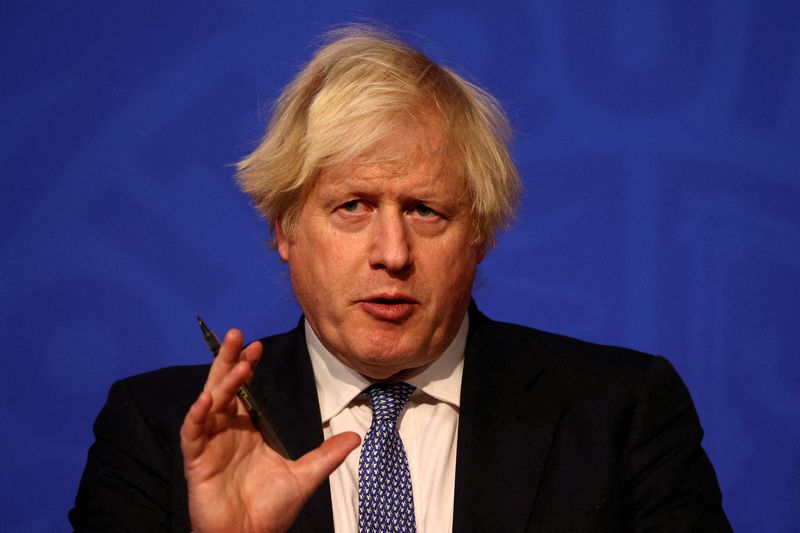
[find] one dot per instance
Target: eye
(351, 206)
(423, 210)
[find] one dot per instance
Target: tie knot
(388, 399)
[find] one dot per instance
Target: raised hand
(235, 481)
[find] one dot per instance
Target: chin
(388, 365)
(391, 373)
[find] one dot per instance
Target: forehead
(414, 157)
(400, 181)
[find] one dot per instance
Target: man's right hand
(235, 481)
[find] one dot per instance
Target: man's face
(382, 259)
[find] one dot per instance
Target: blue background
(658, 141)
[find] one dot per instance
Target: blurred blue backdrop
(659, 142)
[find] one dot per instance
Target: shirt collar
(338, 385)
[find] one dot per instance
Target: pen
(257, 413)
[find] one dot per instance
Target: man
(384, 177)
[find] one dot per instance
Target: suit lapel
(284, 382)
(509, 414)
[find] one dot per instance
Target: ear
(480, 253)
(281, 241)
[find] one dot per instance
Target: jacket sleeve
(126, 485)
(670, 483)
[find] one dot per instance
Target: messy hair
(359, 88)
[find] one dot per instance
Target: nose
(390, 247)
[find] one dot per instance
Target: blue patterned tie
(385, 500)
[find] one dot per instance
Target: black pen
(257, 413)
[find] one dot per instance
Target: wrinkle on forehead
(417, 149)
(402, 178)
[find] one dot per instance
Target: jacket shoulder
(578, 361)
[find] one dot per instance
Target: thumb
(313, 468)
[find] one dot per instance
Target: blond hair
(357, 90)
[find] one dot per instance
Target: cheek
(453, 267)
(306, 270)
(324, 264)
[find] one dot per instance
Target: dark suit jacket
(554, 434)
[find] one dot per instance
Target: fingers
(230, 369)
(315, 466)
(226, 359)
(252, 354)
(193, 430)
(224, 393)
(230, 353)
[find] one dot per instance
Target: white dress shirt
(428, 427)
